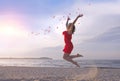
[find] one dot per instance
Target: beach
(13, 73)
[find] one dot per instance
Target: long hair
(73, 30)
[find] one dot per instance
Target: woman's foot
(77, 64)
(78, 55)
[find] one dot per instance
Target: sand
(9, 73)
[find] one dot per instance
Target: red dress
(68, 44)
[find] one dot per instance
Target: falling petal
(49, 26)
(89, 4)
(53, 17)
(69, 13)
(32, 32)
(48, 31)
(76, 12)
(60, 19)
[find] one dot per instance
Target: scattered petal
(69, 13)
(53, 17)
(89, 4)
(32, 32)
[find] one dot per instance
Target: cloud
(99, 16)
(112, 36)
(52, 52)
(104, 46)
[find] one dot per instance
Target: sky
(33, 28)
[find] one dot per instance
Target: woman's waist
(68, 43)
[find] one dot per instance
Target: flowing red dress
(68, 44)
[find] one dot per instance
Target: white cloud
(98, 18)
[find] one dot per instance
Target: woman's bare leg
(69, 59)
(75, 56)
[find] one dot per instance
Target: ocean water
(59, 63)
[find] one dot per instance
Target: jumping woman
(70, 29)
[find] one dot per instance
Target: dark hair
(73, 28)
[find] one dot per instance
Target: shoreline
(62, 67)
(15, 73)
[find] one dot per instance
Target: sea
(36, 62)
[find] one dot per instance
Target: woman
(67, 39)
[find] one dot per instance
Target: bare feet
(78, 55)
(77, 64)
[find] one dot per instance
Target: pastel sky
(33, 28)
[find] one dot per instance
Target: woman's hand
(80, 15)
(68, 18)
